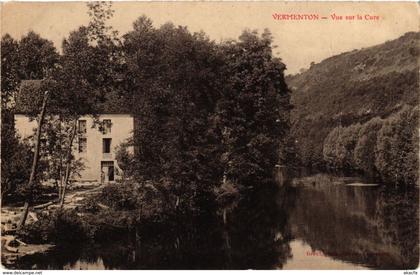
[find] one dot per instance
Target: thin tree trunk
(68, 163)
(35, 159)
(60, 184)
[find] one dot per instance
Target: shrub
(120, 196)
(16, 162)
(147, 201)
(61, 226)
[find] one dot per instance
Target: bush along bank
(386, 149)
(120, 210)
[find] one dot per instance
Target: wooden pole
(68, 162)
(35, 159)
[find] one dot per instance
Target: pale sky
(299, 42)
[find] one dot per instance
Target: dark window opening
(106, 145)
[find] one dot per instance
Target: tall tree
(85, 75)
(176, 80)
(254, 109)
(9, 82)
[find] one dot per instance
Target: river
(316, 222)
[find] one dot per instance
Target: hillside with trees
(356, 111)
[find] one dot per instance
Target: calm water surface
(319, 222)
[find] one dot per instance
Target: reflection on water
(317, 223)
(304, 257)
(375, 227)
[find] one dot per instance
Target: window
(82, 145)
(82, 126)
(106, 127)
(106, 145)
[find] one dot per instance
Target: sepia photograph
(210, 135)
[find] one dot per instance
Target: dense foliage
(205, 112)
(397, 149)
(385, 148)
(175, 78)
(253, 112)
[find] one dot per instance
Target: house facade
(95, 144)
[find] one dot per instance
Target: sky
(299, 42)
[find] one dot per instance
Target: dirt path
(77, 195)
(74, 198)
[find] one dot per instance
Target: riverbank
(333, 179)
(100, 213)
(25, 242)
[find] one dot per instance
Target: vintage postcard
(210, 136)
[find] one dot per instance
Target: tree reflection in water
(257, 231)
(254, 237)
(374, 227)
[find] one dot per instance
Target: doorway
(107, 171)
